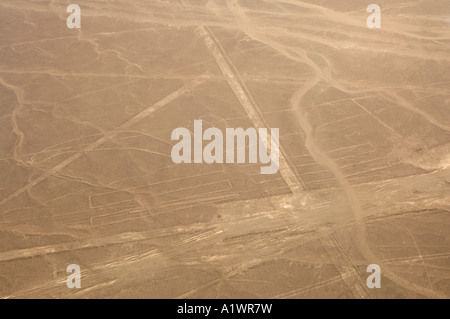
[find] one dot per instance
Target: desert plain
(86, 117)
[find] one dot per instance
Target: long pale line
(108, 136)
(377, 119)
(246, 101)
(348, 272)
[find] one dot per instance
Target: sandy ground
(86, 117)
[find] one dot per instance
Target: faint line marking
(344, 265)
(109, 135)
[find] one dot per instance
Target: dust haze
(86, 117)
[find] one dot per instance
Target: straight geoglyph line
(250, 107)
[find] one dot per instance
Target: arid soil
(86, 117)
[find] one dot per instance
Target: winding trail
(322, 74)
(321, 157)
